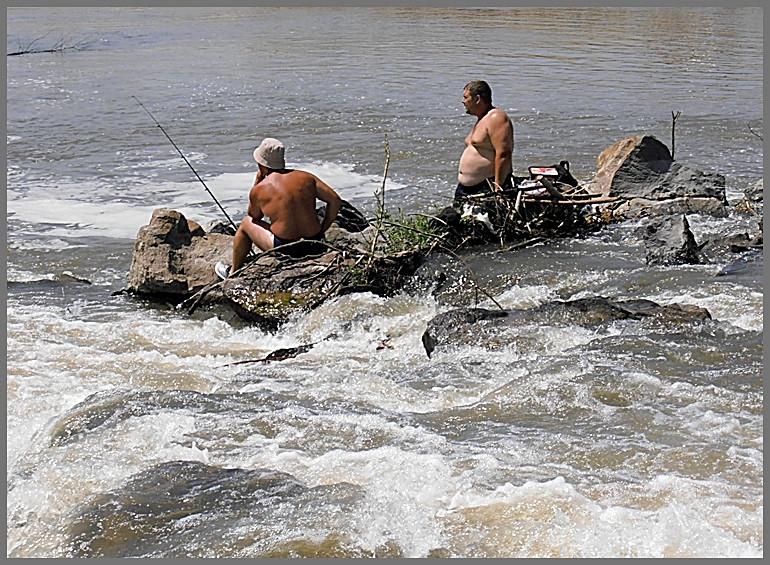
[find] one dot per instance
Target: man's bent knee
(260, 235)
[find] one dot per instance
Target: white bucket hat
(270, 154)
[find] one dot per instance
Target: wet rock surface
(669, 241)
(197, 508)
(475, 325)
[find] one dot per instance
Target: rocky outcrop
(464, 326)
(277, 285)
(174, 257)
(669, 241)
(640, 171)
(174, 260)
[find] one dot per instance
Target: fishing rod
(188, 162)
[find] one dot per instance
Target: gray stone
(478, 326)
(669, 241)
(444, 325)
(639, 171)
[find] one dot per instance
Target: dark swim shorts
(463, 191)
(278, 241)
(302, 246)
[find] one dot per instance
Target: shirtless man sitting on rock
(487, 162)
(288, 198)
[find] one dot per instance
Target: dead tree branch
(380, 209)
(674, 118)
(58, 47)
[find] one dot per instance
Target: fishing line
(188, 162)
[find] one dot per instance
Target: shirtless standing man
(288, 198)
(487, 162)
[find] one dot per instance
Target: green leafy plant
(409, 233)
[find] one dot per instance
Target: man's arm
(333, 201)
(501, 136)
(255, 210)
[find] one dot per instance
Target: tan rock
(174, 257)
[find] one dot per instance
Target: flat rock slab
(464, 325)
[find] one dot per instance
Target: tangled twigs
(380, 209)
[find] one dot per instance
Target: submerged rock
(185, 509)
(463, 325)
(442, 326)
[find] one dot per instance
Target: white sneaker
(222, 270)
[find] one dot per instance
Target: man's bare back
(288, 198)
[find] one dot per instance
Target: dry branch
(59, 47)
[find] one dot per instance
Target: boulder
(443, 325)
(482, 327)
(669, 241)
(277, 285)
(640, 171)
(173, 258)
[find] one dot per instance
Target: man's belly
(475, 167)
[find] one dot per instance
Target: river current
(130, 432)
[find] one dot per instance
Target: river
(129, 431)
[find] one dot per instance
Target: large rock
(669, 241)
(174, 258)
(444, 325)
(640, 171)
(276, 285)
(483, 327)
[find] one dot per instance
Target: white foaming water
(62, 207)
(553, 519)
(736, 305)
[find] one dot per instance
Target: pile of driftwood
(523, 215)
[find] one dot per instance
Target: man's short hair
(479, 88)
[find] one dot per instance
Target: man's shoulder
(498, 115)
